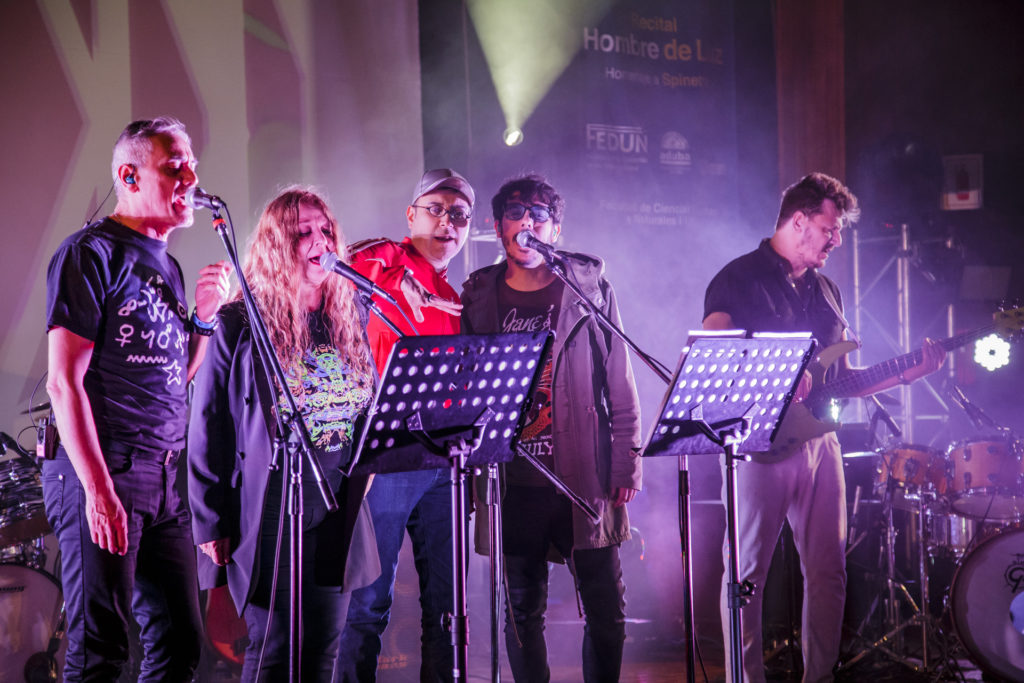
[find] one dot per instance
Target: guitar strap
(830, 299)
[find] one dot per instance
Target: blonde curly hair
(273, 267)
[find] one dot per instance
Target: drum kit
(31, 603)
(958, 513)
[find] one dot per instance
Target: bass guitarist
(778, 288)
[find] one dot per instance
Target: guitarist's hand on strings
(932, 357)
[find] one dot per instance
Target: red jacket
(384, 262)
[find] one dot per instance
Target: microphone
(198, 198)
(975, 414)
(883, 415)
(330, 262)
(527, 240)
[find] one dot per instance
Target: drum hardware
(22, 514)
(894, 594)
(44, 666)
(950, 535)
(31, 554)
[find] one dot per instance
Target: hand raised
(418, 296)
(212, 289)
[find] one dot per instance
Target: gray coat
(595, 409)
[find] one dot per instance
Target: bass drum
(984, 586)
(30, 611)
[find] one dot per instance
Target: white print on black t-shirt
(149, 360)
(148, 307)
(173, 373)
(513, 323)
(542, 446)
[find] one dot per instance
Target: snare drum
(988, 479)
(911, 470)
(30, 610)
(984, 586)
(22, 515)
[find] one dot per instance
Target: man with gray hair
(122, 348)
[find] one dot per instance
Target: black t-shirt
(757, 294)
(534, 311)
(125, 293)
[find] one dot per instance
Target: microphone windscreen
(328, 260)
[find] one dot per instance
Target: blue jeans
(420, 503)
(533, 520)
(155, 580)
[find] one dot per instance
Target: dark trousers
(420, 503)
(323, 607)
(533, 520)
(155, 580)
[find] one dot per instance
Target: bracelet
(200, 327)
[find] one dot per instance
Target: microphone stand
(978, 417)
(557, 266)
(291, 429)
(881, 414)
(367, 299)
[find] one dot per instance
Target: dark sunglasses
(538, 212)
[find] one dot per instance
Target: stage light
(992, 352)
(513, 136)
(527, 44)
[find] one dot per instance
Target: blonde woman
(318, 330)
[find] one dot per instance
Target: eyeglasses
(538, 212)
(457, 214)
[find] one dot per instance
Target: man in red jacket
(414, 271)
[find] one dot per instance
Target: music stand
(455, 401)
(727, 390)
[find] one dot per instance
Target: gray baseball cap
(443, 179)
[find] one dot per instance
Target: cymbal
(860, 454)
(36, 408)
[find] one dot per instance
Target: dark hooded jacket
(595, 409)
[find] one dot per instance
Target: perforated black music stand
(727, 390)
(455, 402)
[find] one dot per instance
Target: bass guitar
(813, 416)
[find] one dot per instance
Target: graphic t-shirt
(121, 290)
(534, 311)
(330, 397)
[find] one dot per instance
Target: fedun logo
(630, 140)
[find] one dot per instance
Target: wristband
(200, 327)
